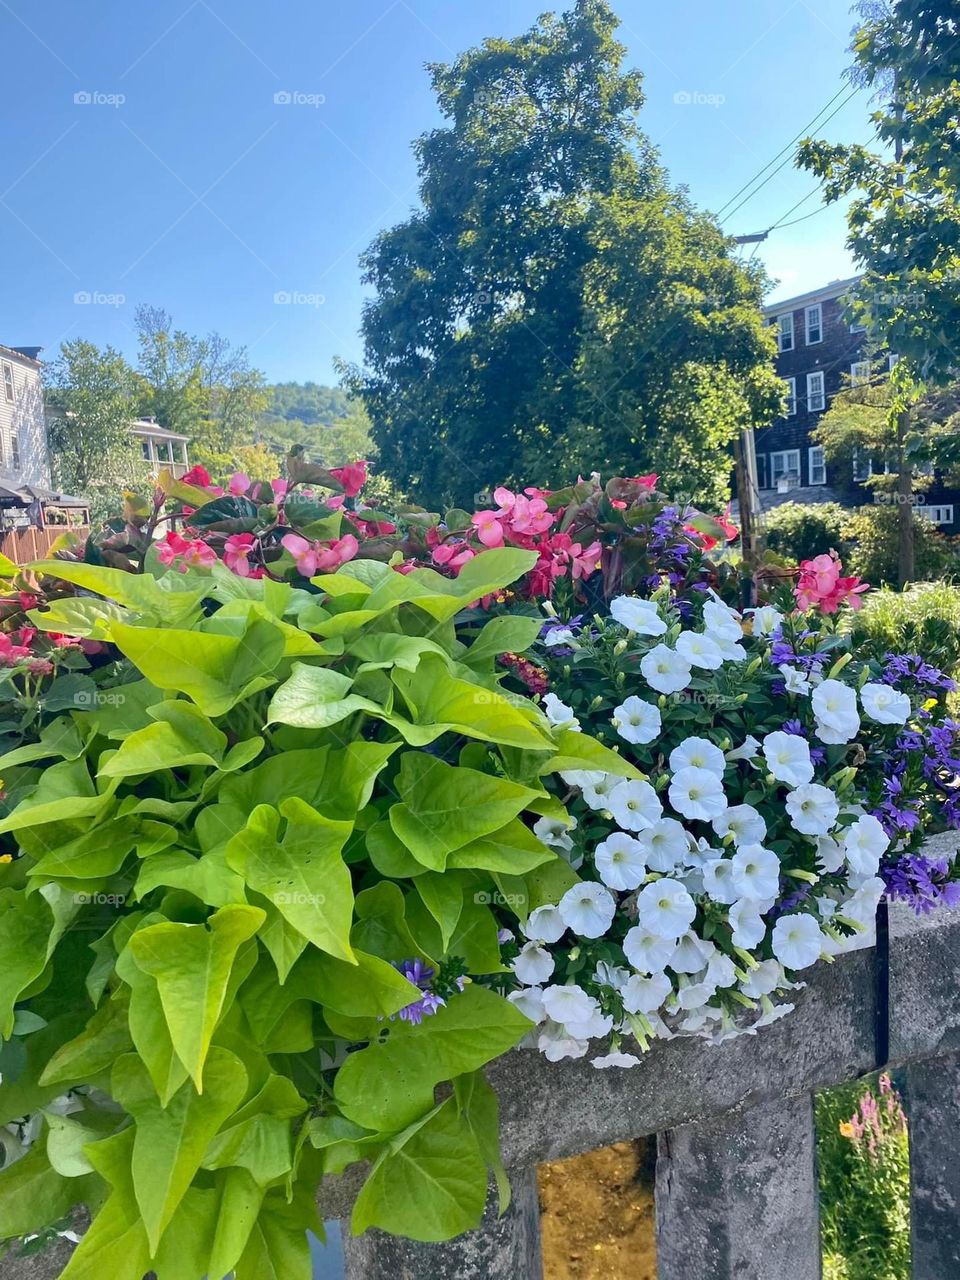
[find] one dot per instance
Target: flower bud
(619, 647)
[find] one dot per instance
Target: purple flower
(924, 882)
(910, 666)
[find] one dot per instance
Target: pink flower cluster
(176, 550)
(320, 557)
(876, 1121)
(520, 520)
(821, 586)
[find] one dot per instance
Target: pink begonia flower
(488, 527)
(331, 557)
(584, 559)
(318, 557)
(236, 554)
(453, 555)
(821, 586)
(198, 476)
(303, 552)
(336, 501)
(646, 482)
(353, 477)
(187, 551)
(239, 483)
(279, 487)
(10, 653)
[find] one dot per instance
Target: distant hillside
(332, 428)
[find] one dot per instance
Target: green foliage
(924, 620)
(864, 1183)
(555, 305)
(799, 530)
(872, 534)
(218, 864)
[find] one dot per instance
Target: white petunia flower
(634, 804)
(756, 872)
(718, 880)
(665, 670)
(558, 713)
(555, 1043)
(813, 809)
(787, 757)
(647, 951)
(587, 909)
(646, 995)
(665, 908)
(568, 1004)
(559, 635)
(766, 620)
(664, 845)
(639, 616)
(692, 954)
(692, 995)
(620, 861)
(697, 793)
(829, 855)
(885, 705)
(721, 621)
(835, 706)
(748, 750)
(730, 651)
(743, 822)
(699, 650)
(615, 1059)
(764, 979)
(698, 753)
(555, 832)
(597, 794)
(582, 777)
(864, 844)
(746, 922)
(530, 1003)
(721, 970)
(533, 965)
(797, 941)
(597, 1025)
(611, 975)
(795, 680)
(544, 924)
(637, 721)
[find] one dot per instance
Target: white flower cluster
(690, 852)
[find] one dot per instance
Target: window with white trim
(15, 451)
(859, 373)
(784, 465)
(816, 392)
(8, 382)
(816, 466)
(858, 327)
(814, 324)
(761, 471)
(791, 396)
(785, 331)
(892, 361)
(862, 467)
(937, 514)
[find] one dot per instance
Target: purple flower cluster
(421, 975)
(669, 546)
(784, 653)
(935, 751)
(909, 666)
(923, 882)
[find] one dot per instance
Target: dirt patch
(597, 1220)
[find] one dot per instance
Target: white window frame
(791, 396)
(857, 327)
(937, 512)
(813, 321)
(862, 467)
(785, 334)
(8, 388)
(15, 450)
(785, 470)
(816, 399)
(892, 361)
(860, 373)
(816, 466)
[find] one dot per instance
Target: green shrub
(872, 534)
(864, 1164)
(799, 531)
(924, 619)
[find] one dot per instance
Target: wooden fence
(30, 543)
(736, 1172)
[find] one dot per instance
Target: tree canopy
(555, 305)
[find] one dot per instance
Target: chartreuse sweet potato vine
(230, 867)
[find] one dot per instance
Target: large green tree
(554, 305)
(904, 218)
(91, 393)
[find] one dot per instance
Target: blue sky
(181, 182)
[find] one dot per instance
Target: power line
(789, 157)
(780, 221)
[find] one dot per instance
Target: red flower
(353, 477)
(821, 587)
(198, 476)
